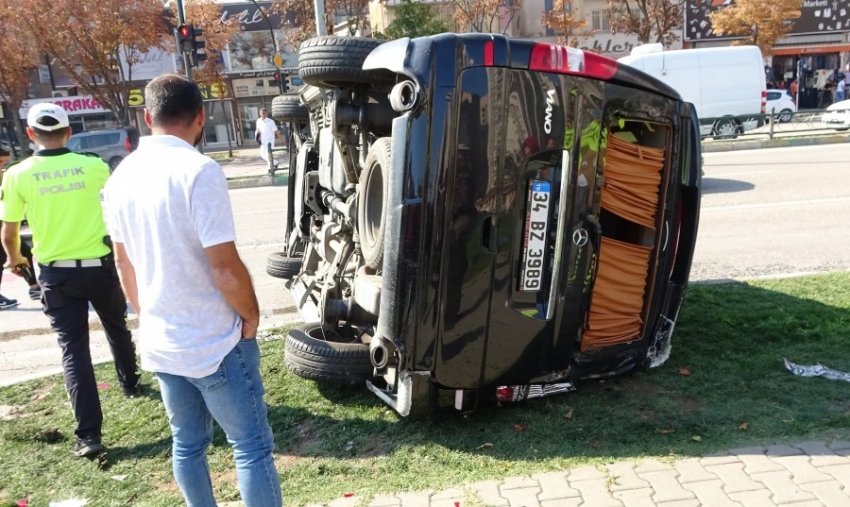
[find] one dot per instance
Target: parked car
(727, 85)
(110, 145)
(837, 116)
(9, 142)
(781, 103)
(480, 220)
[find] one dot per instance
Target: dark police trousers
(66, 293)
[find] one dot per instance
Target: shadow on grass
(725, 385)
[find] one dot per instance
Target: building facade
(819, 43)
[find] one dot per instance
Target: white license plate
(536, 232)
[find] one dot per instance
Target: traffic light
(198, 56)
(185, 41)
(188, 42)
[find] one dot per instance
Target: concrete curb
(779, 142)
(257, 181)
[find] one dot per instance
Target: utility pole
(181, 20)
(319, 7)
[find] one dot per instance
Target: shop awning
(810, 50)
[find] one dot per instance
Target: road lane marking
(736, 207)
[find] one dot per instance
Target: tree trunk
(227, 124)
(23, 139)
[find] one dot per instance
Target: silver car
(110, 145)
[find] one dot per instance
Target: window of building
(599, 21)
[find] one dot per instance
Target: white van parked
(726, 85)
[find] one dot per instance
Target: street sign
(278, 60)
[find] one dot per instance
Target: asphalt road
(774, 212)
(769, 212)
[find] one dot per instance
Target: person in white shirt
(266, 132)
(171, 222)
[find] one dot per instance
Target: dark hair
(173, 100)
(4, 153)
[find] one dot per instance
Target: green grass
(220, 156)
(731, 339)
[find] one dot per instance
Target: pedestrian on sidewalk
(266, 132)
(60, 193)
(172, 225)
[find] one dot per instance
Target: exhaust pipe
(382, 352)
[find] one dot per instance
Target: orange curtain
(630, 190)
(631, 180)
(615, 311)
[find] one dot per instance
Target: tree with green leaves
(413, 18)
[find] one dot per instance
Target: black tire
(785, 115)
(325, 356)
(726, 128)
(372, 202)
(289, 108)
(279, 265)
(113, 163)
(331, 61)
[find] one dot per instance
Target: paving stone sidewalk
(809, 474)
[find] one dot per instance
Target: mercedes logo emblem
(580, 237)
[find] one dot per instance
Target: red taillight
(504, 393)
(763, 101)
(565, 60)
(128, 145)
(488, 54)
(552, 58)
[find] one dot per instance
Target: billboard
(816, 16)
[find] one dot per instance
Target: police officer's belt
(85, 263)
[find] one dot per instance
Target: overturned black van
(475, 219)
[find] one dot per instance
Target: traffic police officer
(60, 192)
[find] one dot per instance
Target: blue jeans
(839, 95)
(233, 396)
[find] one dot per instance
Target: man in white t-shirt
(171, 223)
(266, 132)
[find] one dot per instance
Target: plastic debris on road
(816, 370)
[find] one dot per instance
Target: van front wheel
(727, 128)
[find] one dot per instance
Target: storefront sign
(81, 104)
(257, 87)
(136, 97)
(147, 66)
(250, 18)
(811, 50)
(616, 44)
(816, 16)
(254, 73)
